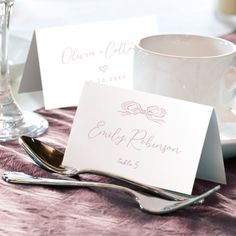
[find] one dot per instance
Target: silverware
(51, 159)
(148, 203)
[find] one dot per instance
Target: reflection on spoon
(51, 159)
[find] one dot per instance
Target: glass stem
(6, 12)
(10, 113)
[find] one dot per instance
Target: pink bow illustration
(153, 113)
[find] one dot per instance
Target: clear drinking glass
(13, 122)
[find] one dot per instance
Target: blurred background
(182, 16)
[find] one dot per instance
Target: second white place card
(60, 59)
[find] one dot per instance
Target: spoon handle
(22, 178)
(167, 194)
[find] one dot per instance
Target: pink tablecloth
(33, 210)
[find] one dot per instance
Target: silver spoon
(51, 159)
(148, 203)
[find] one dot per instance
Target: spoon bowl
(50, 159)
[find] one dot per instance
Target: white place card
(150, 139)
(61, 59)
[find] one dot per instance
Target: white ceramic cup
(189, 67)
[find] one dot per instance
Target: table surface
(34, 210)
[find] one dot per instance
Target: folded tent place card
(61, 59)
(151, 139)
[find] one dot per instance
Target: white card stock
(150, 139)
(61, 59)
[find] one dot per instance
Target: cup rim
(224, 41)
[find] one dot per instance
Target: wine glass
(13, 122)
